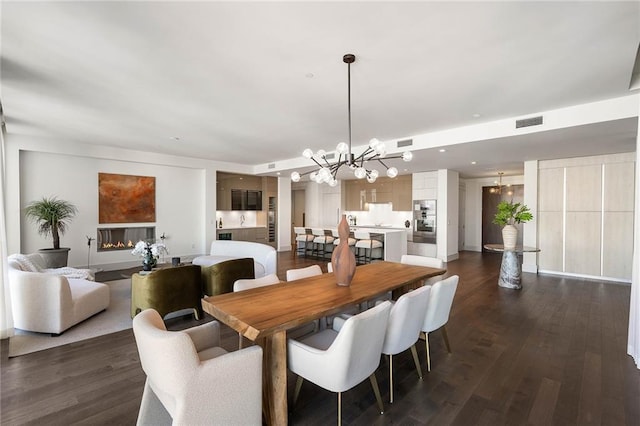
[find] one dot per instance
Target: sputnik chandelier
(376, 151)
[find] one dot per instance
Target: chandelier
(498, 188)
(326, 171)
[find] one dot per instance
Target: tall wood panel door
(551, 219)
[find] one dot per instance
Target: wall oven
(424, 221)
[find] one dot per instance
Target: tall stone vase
(343, 259)
(509, 236)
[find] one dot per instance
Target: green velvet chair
(220, 277)
(167, 290)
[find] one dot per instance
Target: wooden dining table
(264, 315)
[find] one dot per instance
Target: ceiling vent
(406, 142)
(271, 166)
(527, 122)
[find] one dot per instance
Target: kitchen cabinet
(244, 192)
(359, 193)
(253, 234)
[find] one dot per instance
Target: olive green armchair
(167, 290)
(220, 277)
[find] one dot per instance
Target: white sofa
(49, 303)
(265, 257)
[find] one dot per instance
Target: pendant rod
(349, 58)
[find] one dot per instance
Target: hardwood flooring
(552, 353)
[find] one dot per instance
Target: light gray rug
(115, 318)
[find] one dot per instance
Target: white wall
(283, 217)
(185, 195)
(183, 227)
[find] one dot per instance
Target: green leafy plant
(51, 216)
(509, 213)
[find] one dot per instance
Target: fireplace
(110, 239)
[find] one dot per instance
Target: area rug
(115, 318)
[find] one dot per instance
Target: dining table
(263, 315)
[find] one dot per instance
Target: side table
(510, 269)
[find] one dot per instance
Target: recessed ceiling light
(309, 75)
(473, 162)
(476, 115)
(175, 138)
(442, 150)
(278, 173)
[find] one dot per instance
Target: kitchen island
(394, 240)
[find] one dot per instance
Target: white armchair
(190, 380)
(48, 303)
(438, 310)
(339, 360)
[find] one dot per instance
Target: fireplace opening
(110, 239)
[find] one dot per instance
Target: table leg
(510, 271)
(274, 378)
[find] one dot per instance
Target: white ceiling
(257, 82)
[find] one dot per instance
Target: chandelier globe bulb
(407, 156)
(392, 172)
(360, 172)
(307, 153)
(295, 177)
(342, 148)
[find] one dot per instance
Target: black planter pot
(55, 258)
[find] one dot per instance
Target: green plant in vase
(509, 214)
(52, 217)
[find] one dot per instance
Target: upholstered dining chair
(369, 244)
(404, 326)
(430, 262)
(438, 310)
(338, 359)
(247, 284)
(299, 273)
(191, 380)
(321, 241)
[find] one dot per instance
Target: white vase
(509, 236)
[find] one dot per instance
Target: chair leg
(296, 392)
(446, 338)
(376, 391)
(390, 379)
(339, 408)
(416, 361)
(239, 341)
(426, 341)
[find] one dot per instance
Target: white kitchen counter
(394, 240)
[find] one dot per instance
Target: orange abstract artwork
(126, 198)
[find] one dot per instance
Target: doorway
(492, 233)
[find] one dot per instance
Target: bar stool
(302, 239)
(351, 241)
(364, 241)
(321, 240)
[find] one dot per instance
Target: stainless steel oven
(424, 221)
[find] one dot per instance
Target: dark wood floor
(553, 353)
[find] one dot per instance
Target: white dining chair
(339, 358)
(404, 326)
(438, 309)
(247, 284)
(430, 262)
(299, 273)
(192, 380)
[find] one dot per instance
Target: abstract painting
(126, 198)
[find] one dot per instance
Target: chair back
(168, 358)
(355, 353)
(406, 320)
(329, 267)
(431, 262)
(299, 230)
(318, 232)
(361, 235)
(335, 233)
(220, 278)
(247, 284)
(309, 271)
(440, 302)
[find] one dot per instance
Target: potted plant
(508, 214)
(52, 217)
